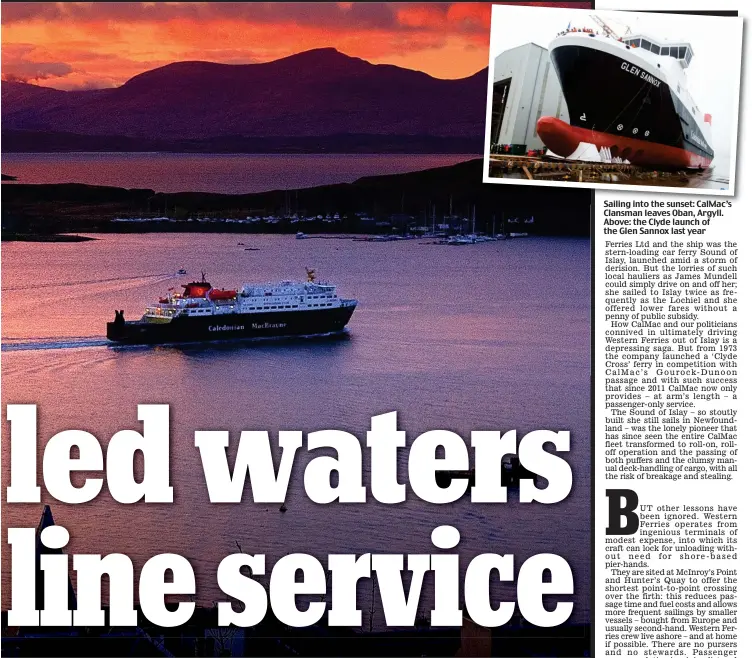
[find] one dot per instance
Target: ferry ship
(267, 310)
(629, 95)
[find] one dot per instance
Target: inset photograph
(613, 99)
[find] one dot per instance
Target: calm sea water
(228, 174)
(490, 336)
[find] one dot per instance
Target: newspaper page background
(679, 585)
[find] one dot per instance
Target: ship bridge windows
(648, 45)
(681, 51)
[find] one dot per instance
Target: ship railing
(161, 312)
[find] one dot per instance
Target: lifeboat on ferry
(216, 295)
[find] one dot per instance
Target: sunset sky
(71, 45)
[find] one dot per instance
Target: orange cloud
(73, 45)
(421, 16)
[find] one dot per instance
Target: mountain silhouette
(314, 94)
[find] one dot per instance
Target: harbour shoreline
(383, 204)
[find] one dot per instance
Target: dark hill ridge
(44, 209)
(311, 94)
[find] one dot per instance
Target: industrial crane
(606, 29)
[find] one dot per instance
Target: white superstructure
(201, 299)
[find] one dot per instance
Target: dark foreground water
(489, 336)
(223, 173)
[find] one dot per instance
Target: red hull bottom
(564, 139)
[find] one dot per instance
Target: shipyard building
(525, 88)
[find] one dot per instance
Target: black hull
(232, 327)
(607, 94)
